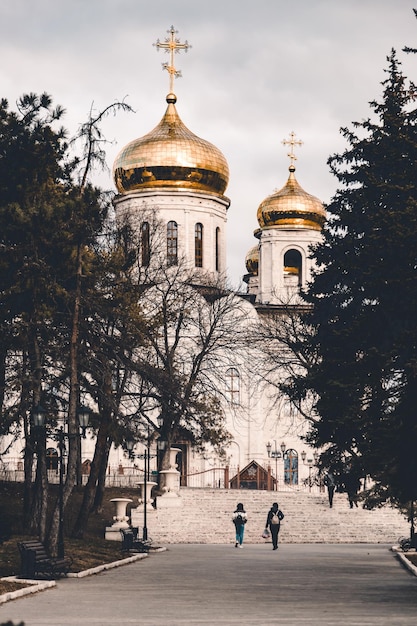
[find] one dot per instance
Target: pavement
(188, 584)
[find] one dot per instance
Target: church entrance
(51, 459)
(253, 476)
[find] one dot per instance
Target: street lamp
(274, 454)
(130, 444)
(287, 455)
(310, 464)
(84, 418)
(38, 418)
(83, 414)
(38, 415)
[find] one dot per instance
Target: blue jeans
(240, 529)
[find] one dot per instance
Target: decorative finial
(292, 142)
(172, 45)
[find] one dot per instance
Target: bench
(131, 542)
(36, 561)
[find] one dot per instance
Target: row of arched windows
(172, 244)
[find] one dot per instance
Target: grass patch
(7, 586)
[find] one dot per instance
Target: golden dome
(252, 260)
(171, 156)
(291, 206)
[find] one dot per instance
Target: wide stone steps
(204, 516)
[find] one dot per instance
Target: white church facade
(184, 178)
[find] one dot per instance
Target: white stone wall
(187, 208)
(274, 243)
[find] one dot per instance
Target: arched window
(198, 239)
(217, 251)
(232, 385)
(291, 467)
(172, 243)
(293, 266)
(145, 244)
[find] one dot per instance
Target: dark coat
(271, 513)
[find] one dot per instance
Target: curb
(407, 564)
(35, 585)
(106, 566)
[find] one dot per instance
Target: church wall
(274, 243)
(187, 209)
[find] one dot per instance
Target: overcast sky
(257, 70)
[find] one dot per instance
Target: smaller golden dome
(252, 260)
(171, 156)
(291, 206)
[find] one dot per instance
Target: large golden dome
(171, 156)
(291, 206)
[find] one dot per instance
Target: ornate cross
(292, 142)
(172, 45)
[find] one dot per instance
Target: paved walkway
(219, 585)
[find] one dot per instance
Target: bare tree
(283, 353)
(196, 327)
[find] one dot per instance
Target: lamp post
(38, 414)
(291, 456)
(274, 454)
(38, 420)
(83, 419)
(310, 464)
(146, 456)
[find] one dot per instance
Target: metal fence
(128, 477)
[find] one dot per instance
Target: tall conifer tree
(365, 300)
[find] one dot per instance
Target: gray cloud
(256, 72)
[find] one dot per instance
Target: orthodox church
(184, 178)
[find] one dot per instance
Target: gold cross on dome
(292, 142)
(172, 45)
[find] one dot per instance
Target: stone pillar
(269, 482)
(226, 477)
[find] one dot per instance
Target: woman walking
(239, 519)
(273, 522)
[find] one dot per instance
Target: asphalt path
(300, 585)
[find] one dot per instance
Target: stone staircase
(204, 516)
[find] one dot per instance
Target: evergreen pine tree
(365, 300)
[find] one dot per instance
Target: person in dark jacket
(352, 485)
(239, 520)
(330, 482)
(273, 522)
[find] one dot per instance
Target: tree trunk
(28, 484)
(39, 496)
(40, 500)
(101, 485)
(27, 489)
(91, 487)
(73, 426)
